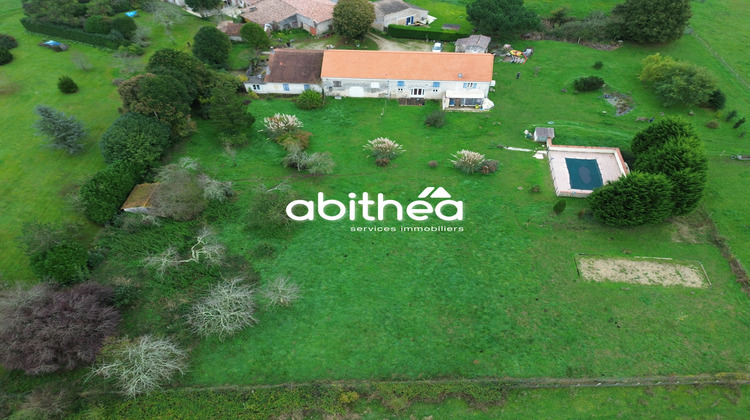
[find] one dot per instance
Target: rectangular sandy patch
(650, 271)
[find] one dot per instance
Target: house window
(400, 83)
(434, 90)
(400, 90)
(472, 101)
(417, 92)
(337, 83)
(286, 87)
(436, 84)
(469, 85)
(256, 87)
(307, 87)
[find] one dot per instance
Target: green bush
(136, 139)
(730, 115)
(598, 65)
(75, 34)
(739, 122)
(660, 133)
(712, 124)
(310, 99)
(419, 32)
(489, 166)
(717, 100)
(65, 263)
(8, 42)
(435, 119)
(5, 56)
(124, 25)
(104, 193)
(67, 85)
(634, 200)
(559, 207)
(588, 84)
(98, 24)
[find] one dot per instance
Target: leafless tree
(81, 61)
(204, 250)
(140, 365)
(226, 309)
(280, 291)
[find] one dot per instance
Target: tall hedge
(107, 190)
(136, 139)
(634, 200)
(75, 34)
(658, 133)
(417, 32)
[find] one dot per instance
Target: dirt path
(386, 45)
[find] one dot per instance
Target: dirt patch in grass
(660, 272)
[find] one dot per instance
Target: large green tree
(63, 131)
(193, 74)
(226, 107)
(652, 21)
(134, 138)
(678, 82)
(255, 36)
(212, 46)
(352, 18)
(634, 200)
(501, 17)
(659, 133)
(103, 194)
(159, 96)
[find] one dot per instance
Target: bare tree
(226, 309)
(167, 15)
(81, 61)
(142, 364)
(280, 292)
(129, 62)
(204, 250)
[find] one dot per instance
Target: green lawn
(36, 182)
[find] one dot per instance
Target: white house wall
(399, 18)
(373, 88)
(278, 88)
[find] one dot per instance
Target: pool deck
(611, 165)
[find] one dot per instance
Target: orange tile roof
(407, 65)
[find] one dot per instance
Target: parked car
(438, 47)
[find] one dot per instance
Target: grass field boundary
(721, 60)
(721, 379)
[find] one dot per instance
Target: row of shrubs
(100, 40)
(418, 32)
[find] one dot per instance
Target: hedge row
(103, 194)
(419, 32)
(75, 34)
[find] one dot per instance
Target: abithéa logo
(375, 209)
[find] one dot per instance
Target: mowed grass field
(36, 182)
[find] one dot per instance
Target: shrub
(136, 139)
(45, 403)
(310, 99)
(712, 124)
(103, 194)
(235, 140)
(5, 56)
(731, 114)
(67, 85)
(489, 166)
(226, 310)
(536, 189)
(588, 84)
(384, 148)
(267, 210)
(315, 164)
(280, 292)
(124, 25)
(7, 42)
(280, 124)
(45, 330)
(739, 122)
(179, 195)
(294, 141)
(65, 263)
(432, 164)
(141, 364)
(559, 207)
(98, 24)
(467, 161)
(634, 200)
(435, 119)
(717, 100)
(598, 65)
(214, 190)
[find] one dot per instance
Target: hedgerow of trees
(678, 82)
(103, 194)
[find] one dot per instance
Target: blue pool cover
(584, 174)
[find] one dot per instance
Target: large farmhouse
(459, 81)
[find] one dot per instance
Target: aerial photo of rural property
(356, 209)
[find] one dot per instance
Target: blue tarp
(50, 42)
(131, 14)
